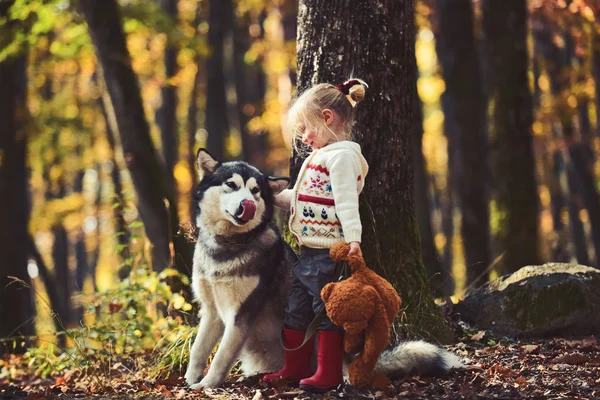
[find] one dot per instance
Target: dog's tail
(416, 358)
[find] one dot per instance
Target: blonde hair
(307, 109)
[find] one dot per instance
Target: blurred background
(219, 74)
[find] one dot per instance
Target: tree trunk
(581, 162)
(558, 202)
(446, 195)
(554, 167)
(16, 305)
(47, 278)
(147, 174)
(166, 115)
(374, 40)
(169, 134)
(121, 229)
(253, 149)
(575, 157)
(577, 230)
(62, 275)
(464, 104)
(596, 73)
(440, 279)
(516, 197)
(219, 20)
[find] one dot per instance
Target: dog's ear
(278, 184)
(206, 163)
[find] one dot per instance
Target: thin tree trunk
(558, 202)
(216, 100)
(250, 152)
(554, 164)
(439, 278)
(575, 157)
(140, 155)
(446, 196)
(118, 206)
(166, 115)
(577, 230)
(256, 144)
(47, 279)
(516, 197)
(374, 40)
(62, 275)
(169, 134)
(16, 302)
(581, 162)
(596, 73)
(464, 104)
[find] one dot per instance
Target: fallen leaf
(572, 359)
(530, 348)
(478, 336)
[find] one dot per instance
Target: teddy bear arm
(353, 343)
(377, 337)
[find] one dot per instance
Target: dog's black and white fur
(242, 278)
(241, 273)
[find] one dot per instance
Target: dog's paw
(193, 375)
(208, 382)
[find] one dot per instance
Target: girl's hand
(355, 249)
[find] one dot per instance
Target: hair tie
(345, 87)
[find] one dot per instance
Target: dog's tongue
(248, 210)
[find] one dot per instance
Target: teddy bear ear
(326, 291)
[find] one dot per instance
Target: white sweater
(324, 201)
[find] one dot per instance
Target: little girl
(324, 210)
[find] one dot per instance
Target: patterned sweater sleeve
(345, 171)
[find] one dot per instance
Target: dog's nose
(246, 210)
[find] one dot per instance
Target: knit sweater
(324, 207)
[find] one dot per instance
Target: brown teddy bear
(365, 305)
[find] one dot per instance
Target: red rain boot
(330, 357)
(297, 362)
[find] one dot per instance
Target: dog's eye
(231, 185)
(254, 190)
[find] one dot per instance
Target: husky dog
(242, 278)
(241, 273)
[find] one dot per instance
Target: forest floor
(554, 368)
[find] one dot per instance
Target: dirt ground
(540, 369)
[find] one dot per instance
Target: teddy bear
(365, 305)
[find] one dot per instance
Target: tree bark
(217, 126)
(62, 275)
(516, 198)
(16, 302)
(574, 156)
(446, 195)
(121, 229)
(440, 278)
(166, 115)
(596, 73)
(374, 40)
(464, 105)
(140, 155)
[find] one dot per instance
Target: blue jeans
(313, 270)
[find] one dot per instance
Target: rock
(537, 301)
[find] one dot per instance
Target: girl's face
(318, 137)
(313, 137)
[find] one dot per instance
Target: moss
(533, 310)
